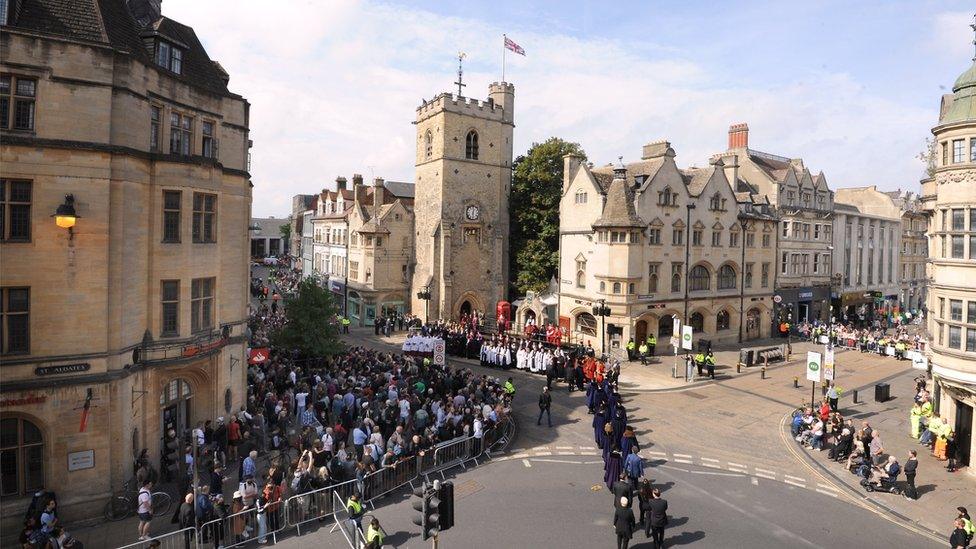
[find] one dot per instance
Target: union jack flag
(511, 45)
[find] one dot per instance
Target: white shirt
(145, 501)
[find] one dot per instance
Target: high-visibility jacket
(926, 409)
(651, 340)
(968, 526)
(374, 533)
(509, 388)
(644, 348)
(355, 508)
(631, 345)
(700, 358)
(710, 359)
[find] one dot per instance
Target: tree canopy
(311, 325)
(537, 178)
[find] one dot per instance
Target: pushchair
(877, 482)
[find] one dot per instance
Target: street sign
(828, 367)
(676, 327)
(814, 370)
(674, 343)
(777, 299)
(439, 352)
(686, 334)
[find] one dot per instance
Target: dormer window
(169, 56)
(666, 197)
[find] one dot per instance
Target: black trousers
(910, 489)
(657, 532)
(623, 541)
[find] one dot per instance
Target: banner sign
(259, 355)
(686, 335)
(814, 369)
(440, 352)
(676, 328)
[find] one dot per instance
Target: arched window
(699, 279)
(722, 320)
(581, 196)
(586, 323)
(471, 145)
(715, 203)
(666, 197)
(616, 287)
(22, 448)
(174, 391)
(428, 144)
(580, 279)
(698, 322)
(726, 278)
(603, 286)
(665, 326)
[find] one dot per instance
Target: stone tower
(463, 177)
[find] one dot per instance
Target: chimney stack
(340, 183)
(357, 179)
(378, 194)
(357, 189)
(739, 136)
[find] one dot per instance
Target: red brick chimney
(739, 136)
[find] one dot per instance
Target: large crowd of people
(897, 341)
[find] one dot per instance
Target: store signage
(805, 295)
(78, 461)
(62, 369)
(33, 399)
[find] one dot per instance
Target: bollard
(738, 368)
(674, 371)
(855, 396)
(763, 373)
(796, 382)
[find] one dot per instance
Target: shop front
(338, 290)
(804, 304)
(858, 307)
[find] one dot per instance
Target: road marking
(712, 465)
(755, 481)
(826, 486)
(518, 456)
(768, 472)
(827, 493)
(587, 448)
(768, 477)
(527, 463)
(678, 460)
(564, 447)
(737, 465)
(682, 456)
(795, 483)
(560, 461)
(653, 453)
(518, 450)
(709, 459)
(798, 479)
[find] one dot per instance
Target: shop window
(21, 457)
(699, 279)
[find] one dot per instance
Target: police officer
(631, 346)
(700, 363)
(710, 364)
(651, 344)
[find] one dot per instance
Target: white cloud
(334, 85)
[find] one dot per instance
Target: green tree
(285, 230)
(311, 322)
(537, 183)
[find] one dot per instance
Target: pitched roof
(775, 169)
(696, 179)
(401, 189)
(643, 168)
(110, 23)
(619, 208)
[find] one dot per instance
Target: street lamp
(65, 216)
(687, 253)
(602, 311)
(742, 267)
(425, 296)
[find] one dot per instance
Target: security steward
(631, 347)
(651, 344)
(710, 364)
(700, 363)
(356, 511)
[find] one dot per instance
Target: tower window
(471, 145)
(428, 144)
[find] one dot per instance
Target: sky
(852, 87)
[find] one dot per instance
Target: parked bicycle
(124, 503)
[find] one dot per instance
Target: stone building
(330, 229)
(914, 251)
(266, 238)
(628, 235)
(300, 203)
(380, 250)
(949, 199)
(866, 245)
(463, 178)
(804, 204)
(132, 303)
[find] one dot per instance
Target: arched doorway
(665, 327)
(753, 324)
(698, 322)
(640, 332)
(466, 308)
(174, 403)
(530, 317)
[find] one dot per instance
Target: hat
(237, 494)
(220, 419)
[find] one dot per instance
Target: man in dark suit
(623, 523)
(656, 518)
(622, 489)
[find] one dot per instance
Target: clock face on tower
(472, 213)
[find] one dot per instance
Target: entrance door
(640, 332)
(466, 308)
(803, 310)
(964, 431)
(752, 324)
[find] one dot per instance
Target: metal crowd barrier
(180, 539)
(243, 527)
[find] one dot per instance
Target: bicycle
(122, 503)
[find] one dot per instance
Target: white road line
(739, 465)
(755, 481)
(518, 450)
(712, 465)
(527, 463)
(564, 447)
(798, 479)
(827, 493)
(587, 448)
(559, 461)
(768, 477)
(682, 456)
(800, 485)
(758, 470)
(678, 460)
(826, 486)
(653, 453)
(518, 456)
(709, 459)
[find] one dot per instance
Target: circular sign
(813, 366)
(777, 299)
(687, 337)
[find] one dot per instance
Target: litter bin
(882, 391)
(747, 357)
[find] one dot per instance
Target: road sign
(439, 352)
(814, 369)
(777, 299)
(674, 343)
(676, 327)
(686, 336)
(828, 366)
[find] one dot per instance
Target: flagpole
(503, 57)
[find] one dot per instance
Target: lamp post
(602, 311)
(742, 266)
(425, 296)
(687, 253)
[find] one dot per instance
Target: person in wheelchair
(884, 478)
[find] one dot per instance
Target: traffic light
(429, 505)
(446, 510)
